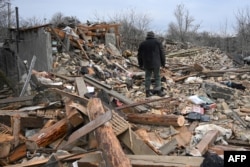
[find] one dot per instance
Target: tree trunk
(106, 138)
(152, 119)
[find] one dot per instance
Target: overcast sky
(212, 15)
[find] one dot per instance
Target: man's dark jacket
(151, 54)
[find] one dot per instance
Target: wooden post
(153, 119)
(16, 127)
(106, 138)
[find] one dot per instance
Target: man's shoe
(148, 93)
(161, 93)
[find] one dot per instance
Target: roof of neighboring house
(31, 28)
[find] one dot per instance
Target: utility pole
(18, 32)
(9, 14)
(17, 45)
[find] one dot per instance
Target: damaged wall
(35, 41)
(7, 65)
(7, 62)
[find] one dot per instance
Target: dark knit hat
(150, 34)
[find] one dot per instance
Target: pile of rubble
(91, 110)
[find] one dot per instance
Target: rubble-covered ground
(206, 109)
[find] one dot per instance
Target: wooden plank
(245, 110)
(82, 100)
(239, 142)
(79, 107)
(92, 160)
(183, 137)
(152, 139)
(165, 161)
(69, 79)
(121, 97)
(206, 141)
(184, 53)
(26, 121)
(75, 118)
(92, 125)
(64, 158)
(168, 147)
(61, 35)
(54, 161)
(225, 71)
(16, 99)
(91, 79)
(144, 102)
(193, 125)
(81, 86)
(234, 115)
(219, 149)
(135, 144)
(16, 128)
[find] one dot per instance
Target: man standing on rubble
(151, 57)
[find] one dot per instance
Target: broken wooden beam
(88, 79)
(16, 99)
(220, 149)
(63, 158)
(81, 86)
(165, 161)
(184, 53)
(153, 119)
(60, 34)
(16, 128)
(183, 77)
(75, 118)
(106, 138)
(143, 102)
(26, 121)
(225, 71)
(245, 110)
(92, 125)
(119, 96)
(135, 143)
(234, 115)
(206, 141)
(14, 103)
(168, 147)
(43, 138)
(94, 159)
(82, 100)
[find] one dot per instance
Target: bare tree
(133, 27)
(243, 30)
(4, 20)
(184, 26)
(31, 22)
(57, 18)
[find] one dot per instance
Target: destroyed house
(43, 43)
